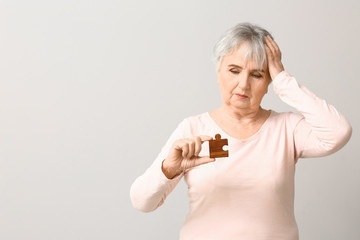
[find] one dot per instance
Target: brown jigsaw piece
(216, 147)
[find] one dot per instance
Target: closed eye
(234, 71)
(256, 75)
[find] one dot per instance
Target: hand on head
(273, 56)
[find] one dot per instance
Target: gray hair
(248, 33)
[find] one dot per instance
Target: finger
(275, 47)
(185, 149)
(197, 146)
(267, 49)
(203, 160)
(271, 51)
(185, 165)
(270, 42)
(274, 44)
(191, 152)
(205, 138)
(269, 54)
(267, 40)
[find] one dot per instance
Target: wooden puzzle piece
(216, 147)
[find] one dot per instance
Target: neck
(242, 116)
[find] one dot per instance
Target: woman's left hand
(273, 56)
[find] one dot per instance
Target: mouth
(241, 96)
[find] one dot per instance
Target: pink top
(250, 194)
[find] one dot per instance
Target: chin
(239, 105)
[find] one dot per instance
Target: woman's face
(242, 85)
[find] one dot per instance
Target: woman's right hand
(184, 154)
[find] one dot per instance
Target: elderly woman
(250, 194)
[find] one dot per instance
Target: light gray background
(91, 90)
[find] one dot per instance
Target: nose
(243, 81)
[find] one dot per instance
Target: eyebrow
(234, 65)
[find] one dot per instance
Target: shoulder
(197, 119)
(290, 119)
(197, 124)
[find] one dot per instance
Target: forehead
(240, 58)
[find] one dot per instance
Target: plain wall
(91, 90)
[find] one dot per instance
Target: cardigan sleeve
(322, 129)
(150, 190)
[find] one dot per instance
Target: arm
(150, 190)
(322, 130)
